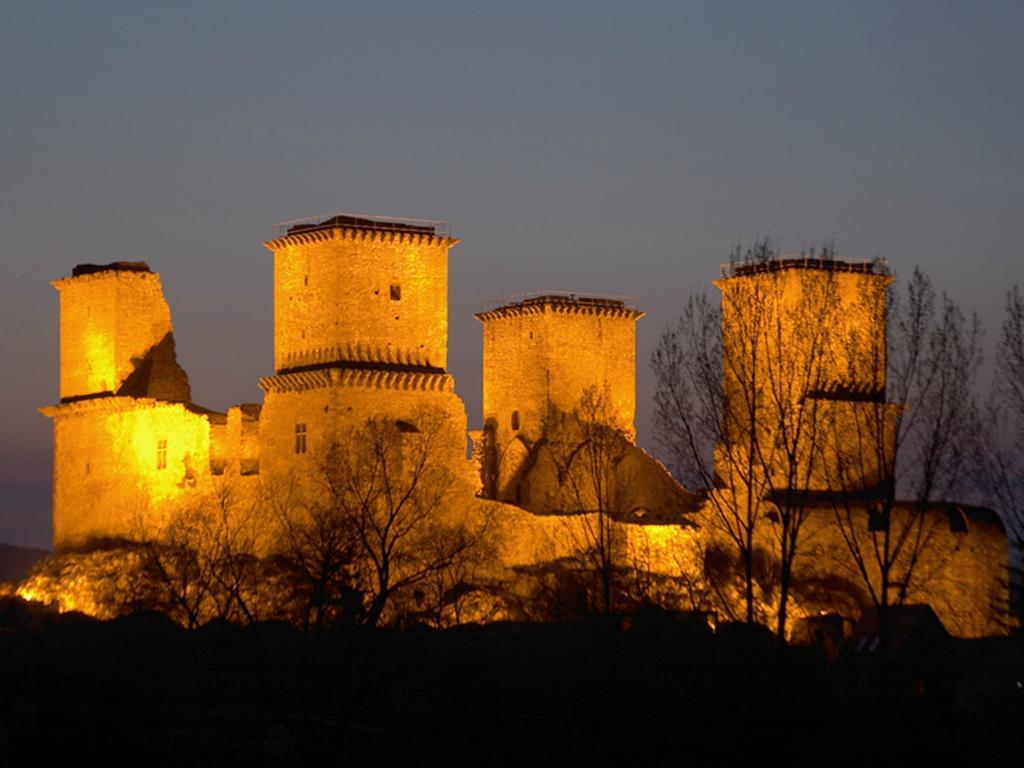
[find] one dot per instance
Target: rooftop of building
(561, 298)
(804, 261)
(363, 221)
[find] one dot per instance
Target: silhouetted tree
(587, 447)
(905, 445)
(690, 423)
(731, 412)
(202, 561)
(377, 521)
(999, 448)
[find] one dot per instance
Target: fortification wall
(953, 558)
(120, 463)
(325, 403)
(357, 295)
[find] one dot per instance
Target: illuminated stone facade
(804, 385)
(360, 331)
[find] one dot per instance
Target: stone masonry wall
(119, 462)
(107, 318)
(355, 295)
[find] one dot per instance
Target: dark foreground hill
(655, 690)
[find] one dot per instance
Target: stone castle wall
(327, 402)
(349, 348)
(120, 463)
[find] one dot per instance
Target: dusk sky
(606, 147)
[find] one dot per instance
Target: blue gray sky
(608, 147)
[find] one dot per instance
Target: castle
(360, 330)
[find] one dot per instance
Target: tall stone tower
(358, 290)
(116, 335)
(360, 330)
(540, 354)
(126, 438)
(804, 366)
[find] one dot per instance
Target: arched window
(515, 419)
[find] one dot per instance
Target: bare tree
(378, 520)
(800, 328)
(691, 422)
(202, 561)
(317, 549)
(732, 413)
(459, 585)
(999, 448)
(587, 447)
(901, 444)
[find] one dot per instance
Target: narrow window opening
(396, 292)
(957, 520)
(305, 280)
(515, 419)
(878, 520)
(161, 454)
(300, 438)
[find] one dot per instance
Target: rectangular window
(396, 292)
(300, 438)
(161, 454)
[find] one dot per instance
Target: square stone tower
(127, 440)
(804, 369)
(360, 331)
(541, 353)
(361, 290)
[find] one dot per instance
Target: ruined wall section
(116, 334)
(360, 296)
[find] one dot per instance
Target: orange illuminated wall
(545, 351)
(347, 293)
(110, 318)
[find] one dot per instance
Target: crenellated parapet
(356, 233)
(562, 303)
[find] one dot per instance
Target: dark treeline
(647, 689)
